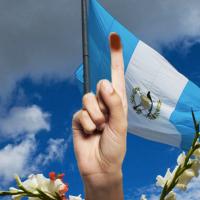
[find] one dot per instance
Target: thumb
(117, 117)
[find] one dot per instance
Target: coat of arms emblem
(144, 104)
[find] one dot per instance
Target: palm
(97, 152)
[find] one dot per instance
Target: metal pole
(85, 46)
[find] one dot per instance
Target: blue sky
(39, 93)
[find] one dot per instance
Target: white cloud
(159, 22)
(24, 120)
(42, 39)
(18, 158)
(22, 159)
(14, 159)
(39, 39)
(54, 151)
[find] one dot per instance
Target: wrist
(101, 180)
(106, 186)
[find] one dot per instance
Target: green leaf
(197, 128)
(196, 124)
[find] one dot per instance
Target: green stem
(6, 193)
(181, 169)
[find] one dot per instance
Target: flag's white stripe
(151, 72)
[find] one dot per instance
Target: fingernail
(115, 42)
(107, 87)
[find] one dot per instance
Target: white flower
(197, 153)
(161, 181)
(184, 179)
(187, 176)
(143, 197)
(196, 167)
(14, 190)
(55, 186)
(39, 182)
(75, 197)
(44, 184)
(17, 197)
(171, 196)
(181, 159)
(35, 182)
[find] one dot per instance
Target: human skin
(100, 131)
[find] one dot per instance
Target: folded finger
(90, 104)
(86, 122)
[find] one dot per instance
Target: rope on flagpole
(85, 46)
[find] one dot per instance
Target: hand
(100, 128)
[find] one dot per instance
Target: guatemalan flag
(160, 99)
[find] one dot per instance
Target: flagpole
(85, 46)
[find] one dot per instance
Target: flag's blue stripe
(101, 24)
(182, 117)
(79, 73)
(79, 76)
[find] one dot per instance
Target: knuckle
(75, 116)
(99, 119)
(89, 129)
(99, 83)
(86, 122)
(87, 98)
(76, 120)
(84, 115)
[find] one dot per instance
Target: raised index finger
(117, 67)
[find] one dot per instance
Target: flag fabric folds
(160, 99)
